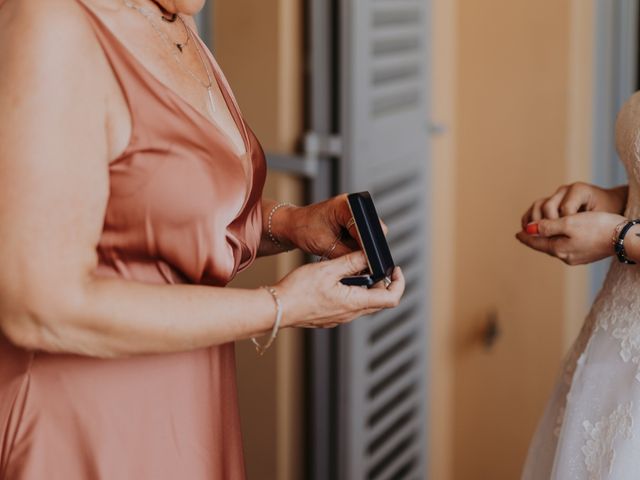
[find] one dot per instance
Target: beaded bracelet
(270, 221)
(261, 349)
(616, 232)
(618, 246)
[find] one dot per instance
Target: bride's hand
(577, 197)
(577, 239)
(323, 228)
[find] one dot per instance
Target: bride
(591, 427)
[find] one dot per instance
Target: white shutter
(384, 127)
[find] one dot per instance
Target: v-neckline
(229, 103)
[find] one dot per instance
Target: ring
(350, 223)
(327, 255)
(333, 247)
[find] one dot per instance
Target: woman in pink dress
(130, 195)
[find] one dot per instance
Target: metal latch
(316, 148)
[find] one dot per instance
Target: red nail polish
(532, 229)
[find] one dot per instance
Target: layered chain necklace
(177, 48)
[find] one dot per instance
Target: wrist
(620, 195)
(261, 347)
(623, 244)
(288, 306)
(279, 221)
(632, 244)
(263, 302)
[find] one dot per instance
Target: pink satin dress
(183, 208)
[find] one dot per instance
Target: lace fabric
(590, 429)
(598, 449)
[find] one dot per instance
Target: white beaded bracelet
(261, 349)
(270, 221)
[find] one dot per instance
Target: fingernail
(532, 229)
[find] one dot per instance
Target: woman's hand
(312, 295)
(577, 239)
(577, 197)
(316, 228)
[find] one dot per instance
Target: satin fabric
(183, 208)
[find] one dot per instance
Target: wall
(513, 81)
(512, 116)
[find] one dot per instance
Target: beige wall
(513, 79)
(258, 45)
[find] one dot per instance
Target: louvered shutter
(384, 127)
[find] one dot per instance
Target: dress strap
(131, 77)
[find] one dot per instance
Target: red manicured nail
(532, 229)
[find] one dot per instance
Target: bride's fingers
(574, 201)
(548, 245)
(541, 244)
(526, 218)
(551, 208)
(536, 210)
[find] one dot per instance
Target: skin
(55, 151)
(576, 224)
(186, 7)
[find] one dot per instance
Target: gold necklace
(149, 16)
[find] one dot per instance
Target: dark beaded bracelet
(619, 244)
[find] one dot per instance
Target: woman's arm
(53, 192)
(54, 187)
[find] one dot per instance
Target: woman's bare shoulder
(52, 25)
(50, 57)
(39, 38)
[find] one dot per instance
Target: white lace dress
(591, 427)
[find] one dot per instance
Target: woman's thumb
(350, 264)
(552, 228)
